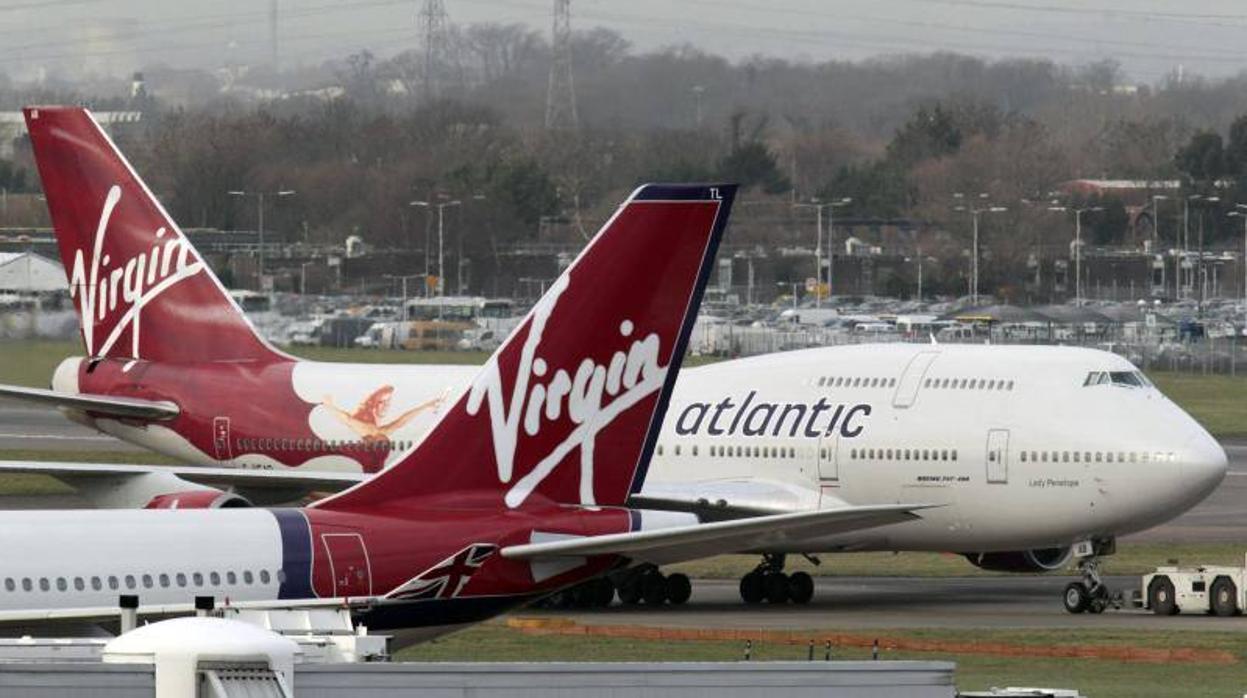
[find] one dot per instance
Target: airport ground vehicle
(1216, 589)
(1219, 590)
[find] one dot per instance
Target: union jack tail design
(447, 578)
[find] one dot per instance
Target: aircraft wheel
(603, 592)
(1161, 597)
(654, 589)
(679, 589)
(1076, 598)
(583, 595)
(1224, 598)
(752, 590)
(630, 590)
(776, 586)
(800, 587)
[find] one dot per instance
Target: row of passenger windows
(131, 582)
(969, 383)
(733, 451)
(1098, 457)
(903, 454)
(1129, 379)
(843, 382)
(321, 446)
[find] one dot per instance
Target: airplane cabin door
(998, 456)
(828, 463)
(348, 562)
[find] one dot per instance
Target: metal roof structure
(27, 272)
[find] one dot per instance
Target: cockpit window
(1129, 379)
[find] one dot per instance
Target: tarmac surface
(1022, 601)
(850, 603)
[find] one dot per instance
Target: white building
(29, 273)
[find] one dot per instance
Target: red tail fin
(568, 409)
(141, 290)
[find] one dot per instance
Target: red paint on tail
(567, 410)
(140, 288)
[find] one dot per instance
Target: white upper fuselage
(1009, 441)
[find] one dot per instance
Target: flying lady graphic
(366, 419)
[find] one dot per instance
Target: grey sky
(1149, 37)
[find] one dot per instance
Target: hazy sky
(1149, 37)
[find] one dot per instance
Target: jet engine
(1036, 560)
(198, 499)
(154, 490)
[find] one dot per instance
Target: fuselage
(1018, 446)
(433, 560)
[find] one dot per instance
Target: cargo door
(348, 564)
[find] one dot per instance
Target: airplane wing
(720, 500)
(104, 614)
(124, 407)
(665, 546)
(260, 486)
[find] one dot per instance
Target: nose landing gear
(767, 582)
(1091, 594)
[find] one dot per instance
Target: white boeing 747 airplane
(1024, 456)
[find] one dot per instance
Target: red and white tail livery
(569, 407)
(141, 289)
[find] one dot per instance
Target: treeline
(359, 139)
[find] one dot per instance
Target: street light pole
(1241, 212)
(259, 195)
(818, 244)
(1077, 245)
(441, 240)
(1156, 199)
(974, 251)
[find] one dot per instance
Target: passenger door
(998, 456)
(828, 463)
(348, 564)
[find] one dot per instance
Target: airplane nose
(1205, 465)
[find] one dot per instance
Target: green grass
(1094, 677)
(1218, 402)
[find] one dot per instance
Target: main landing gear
(1091, 594)
(653, 588)
(767, 582)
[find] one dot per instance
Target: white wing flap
(124, 407)
(717, 500)
(677, 544)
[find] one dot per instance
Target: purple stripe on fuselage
(296, 554)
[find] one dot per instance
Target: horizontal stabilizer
(665, 546)
(228, 478)
(123, 407)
